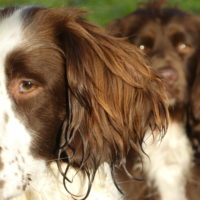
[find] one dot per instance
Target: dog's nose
(169, 74)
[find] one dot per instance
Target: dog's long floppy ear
(194, 73)
(195, 96)
(113, 96)
(193, 120)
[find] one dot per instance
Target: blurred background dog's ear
(195, 95)
(122, 27)
(115, 27)
(194, 103)
(194, 110)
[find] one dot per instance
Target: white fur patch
(50, 186)
(169, 162)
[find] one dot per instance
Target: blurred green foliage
(102, 11)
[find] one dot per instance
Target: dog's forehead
(12, 27)
(12, 33)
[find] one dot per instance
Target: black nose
(169, 74)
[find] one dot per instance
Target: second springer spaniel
(74, 102)
(170, 39)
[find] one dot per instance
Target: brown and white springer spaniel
(74, 102)
(170, 39)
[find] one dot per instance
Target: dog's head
(69, 91)
(169, 37)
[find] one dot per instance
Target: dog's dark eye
(146, 44)
(27, 86)
(145, 48)
(142, 47)
(24, 88)
(181, 43)
(183, 47)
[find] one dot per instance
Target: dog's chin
(171, 101)
(175, 95)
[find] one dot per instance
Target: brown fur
(194, 114)
(101, 89)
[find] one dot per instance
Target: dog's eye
(183, 47)
(145, 48)
(142, 47)
(146, 44)
(24, 88)
(27, 86)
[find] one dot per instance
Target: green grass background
(101, 11)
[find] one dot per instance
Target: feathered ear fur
(113, 97)
(194, 105)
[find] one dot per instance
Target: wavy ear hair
(113, 96)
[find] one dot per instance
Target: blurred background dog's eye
(146, 44)
(142, 47)
(180, 42)
(183, 47)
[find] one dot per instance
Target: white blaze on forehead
(11, 33)
(11, 36)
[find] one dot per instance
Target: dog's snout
(169, 74)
